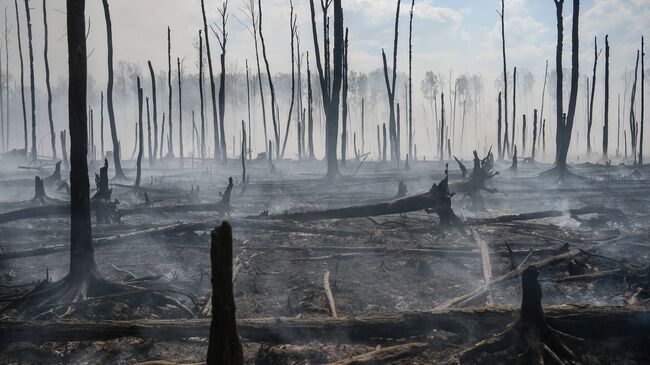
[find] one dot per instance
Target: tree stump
(224, 346)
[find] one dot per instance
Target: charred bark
(31, 80)
(590, 119)
(344, 103)
(47, 83)
(155, 111)
(180, 110)
(606, 117)
(22, 75)
(274, 115)
(170, 138)
(506, 143)
(141, 140)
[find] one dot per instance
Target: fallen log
(584, 321)
(437, 200)
(613, 214)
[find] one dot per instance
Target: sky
(459, 35)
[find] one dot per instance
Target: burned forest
(324, 182)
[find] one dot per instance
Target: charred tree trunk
(293, 30)
(141, 139)
(410, 84)
(22, 75)
(7, 106)
(634, 127)
(162, 135)
(499, 146)
(330, 94)
(31, 80)
(155, 111)
(363, 125)
(506, 143)
(180, 110)
(606, 117)
(223, 11)
(224, 344)
(344, 103)
(514, 108)
(534, 134)
(101, 122)
(390, 88)
(523, 136)
(47, 83)
(310, 114)
(271, 87)
(119, 173)
(149, 150)
(541, 111)
(590, 120)
(243, 152)
(383, 150)
(212, 85)
(3, 145)
(442, 127)
(642, 100)
(64, 151)
(201, 95)
(248, 103)
(82, 257)
(170, 138)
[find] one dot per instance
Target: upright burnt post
(141, 139)
(31, 80)
(224, 346)
(155, 110)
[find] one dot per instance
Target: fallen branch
(385, 355)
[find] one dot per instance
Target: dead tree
(155, 110)
(248, 104)
(310, 114)
(634, 126)
(385, 144)
(212, 85)
(606, 118)
(224, 345)
(499, 115)
(119, 173)
(642, 100)
(141, 139)
(202, 104)
(344, 103)
(243, 152)
(534, 134)
(390, 88)
(363, 125)
(523, 136)
(222, 37)
(149, 150)
(441, 145)
(514, 108)
(541, 111)
(31, 79)
(47, 84)
(410, 83)
(565, 125)
(101, 129)
(7, 106)
(591, 100)
(506, 144)
(293, 29)
(475, 183)
(270, 80)
(180, 109)
(64, 150)
(2, 106)
(22, 75)
(170, 138)
(162, 135)
(330, 81)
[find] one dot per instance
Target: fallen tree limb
(614, 214)
(584, 321)
(384, 355)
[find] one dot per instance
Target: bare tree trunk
(442, 127)
(82, 257)
(506, 143)
(243, 152)
(293, 30)
(642, 100)
(410, 85)
(224, 345)
(223, 11)
(109, 94)
(606, 122)
(534, 134)
(378, 144)
(541, 112)
(7, 105)
(268, 74)
(383, 150)
(523, 136)
(22, 75)
(149, 150)
(499, 102)
(170, 139)
(64, 151)
(344, 102)
(141, 140)
(390, 88)
(162, 134)
(202, 106)
(514, 108)
(330, 95)
(47, 84)
(310, 114)
(248, 101)
(31, 80)
(591, 100)
(180, 110)
(155, 111)
(101, 126)
(634, 127)
(212, 85)
(2, 108)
